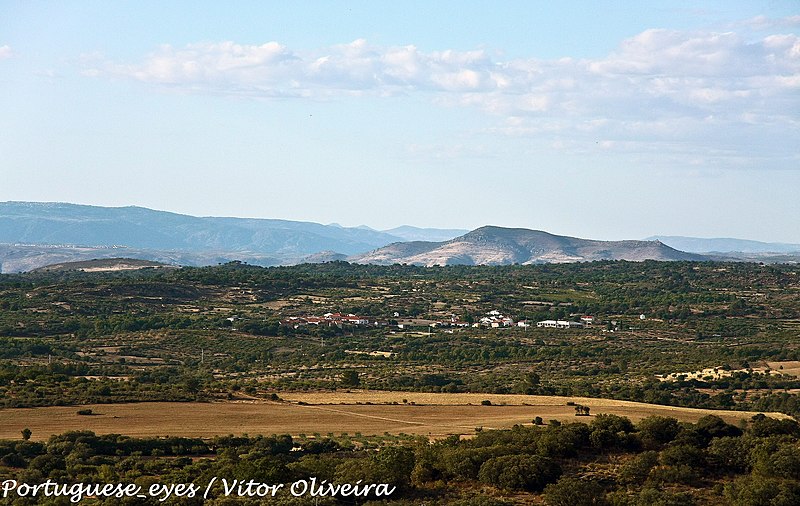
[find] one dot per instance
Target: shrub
(519, 472)
(658, 430)
(614, 423)
(574, 492)
(638, 468)
(681, 455)
(754, 491)
(730, 453)
(782, 463)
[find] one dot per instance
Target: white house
(558, 324)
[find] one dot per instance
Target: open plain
(366, 412)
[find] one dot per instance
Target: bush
(658, 430)
(730, 453)
(614, 423)
(711, 427)
(782, 463)
(601, 439)
(683, 455)
(765, 426)
(574, 492)
(755, 491)
(638, 468)
(654, 497)
(85, 412)
(12, 460)
(563, 441)
(519, 472)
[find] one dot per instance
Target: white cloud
(766, 23)
(6, 52)
(677, 87)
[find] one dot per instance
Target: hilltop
(104, 265)
(492, 245)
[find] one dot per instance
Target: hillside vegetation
(220, 332)
(237, 338)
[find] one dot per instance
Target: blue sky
(605, 120)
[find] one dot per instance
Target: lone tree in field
(581, 410)
(26, 433)
(350, 379)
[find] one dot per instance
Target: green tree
(638, 468)
(757, 491)
(574, 492)
(658, 430)
(519, 472)
(350, 378)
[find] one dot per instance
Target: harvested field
(790, 367)
(433, 415)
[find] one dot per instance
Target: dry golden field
(790, 367)
(432, 415)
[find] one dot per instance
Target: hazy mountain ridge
(492, 245)
(724, 245)
(41, 234)
(138, 227)
(27, 257)
(37, 234)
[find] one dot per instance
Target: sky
(596, 119)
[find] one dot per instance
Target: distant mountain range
(138, 227)
(34, 235)
(502, 246)
(724, 245)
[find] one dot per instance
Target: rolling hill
(499, 246)
(105, 265)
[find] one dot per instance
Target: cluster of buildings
(493, 319)
(329, 320)
(564, 324)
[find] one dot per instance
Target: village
(492, 319)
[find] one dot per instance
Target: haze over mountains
(34, 235)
